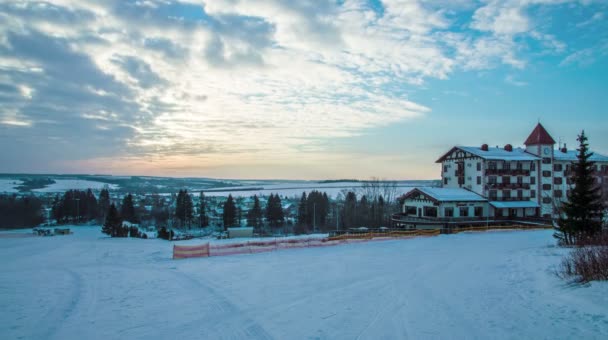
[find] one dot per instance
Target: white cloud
(239, 77)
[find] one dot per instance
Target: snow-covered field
(62, 185)
(468, 286)
(291, 189)
(8, 185)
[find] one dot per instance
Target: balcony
(508, 172)
(511, 186)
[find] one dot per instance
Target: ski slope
(495, 285)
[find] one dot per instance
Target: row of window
(507, 166)
(507, 194)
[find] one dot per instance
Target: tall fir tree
(113, 223)
(583, 212)
(274, 211)
(302, 226)
(350, 210)
(103, 203)
(229, 216)
(127, 209)
(202, 211)
(254, 215)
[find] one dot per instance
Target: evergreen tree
(90, 206)
(229, 216)
(113, 223)
(254, 215)
(103, 204)
(127, 209)
(274, 211)
(582, 213)
(302, 226)
(363, 212)
(202, 211)
(350, 210)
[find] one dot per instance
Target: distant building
(501, 183)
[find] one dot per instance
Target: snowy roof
(570, 155)
(494, 153)
(514, 204)
(447, 194)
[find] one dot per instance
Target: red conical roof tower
(539, 136)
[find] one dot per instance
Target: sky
(292, 89)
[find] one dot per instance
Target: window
(532, 180)
(445, 181)
(464, 211)
(546, 173)
(546, 186)
(520, 166)
(445, 168)
(532, 193)
(558, 180)
(430, 211)
(557, 167)
(478, 180)
(410, 210)
(448, 212)
(546, 160)
(506, 193)
(547, 200)
(520, 194)
(506, 165)
(492, 165)
(557, 193)
(506, 180)
(532, 166)
(492, 180)
(478, 211)
(520, 180)
(478, 166)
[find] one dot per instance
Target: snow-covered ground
(62, 185)
(8, 185)
(291, 189)
(467, 286)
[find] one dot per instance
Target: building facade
(516, 183)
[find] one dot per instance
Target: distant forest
(20, 212)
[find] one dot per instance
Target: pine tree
(350, 207)
(103, 203)
(274, 211)
(229, 215)
(127, 209)
(582, 213)
(254, 215)
(302, 226)
(202, 211)
(363, 212)
(113, 224)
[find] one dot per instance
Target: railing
(508, 172)
(525, 186)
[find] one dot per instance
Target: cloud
(234, 79)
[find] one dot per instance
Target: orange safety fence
(183, 252)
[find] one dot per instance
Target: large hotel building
(483, 182)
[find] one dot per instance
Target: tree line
(20, 211)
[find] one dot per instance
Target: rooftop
(570, 155)
(539, 136)
(497, 153)
(449, 194)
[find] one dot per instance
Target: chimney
(484, 147)
(564, 149)
(509, 147)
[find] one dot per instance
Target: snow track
(472, 285)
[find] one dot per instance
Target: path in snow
(495, 284)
